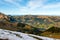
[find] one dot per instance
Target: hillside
(53, 32)
(32, 24)
(3, 17)
(12, 35)
(11, 24)
(20, 27)
(39, 21)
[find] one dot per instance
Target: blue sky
(30, 7)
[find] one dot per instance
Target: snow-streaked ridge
(10, 35)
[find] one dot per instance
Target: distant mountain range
(32, 24)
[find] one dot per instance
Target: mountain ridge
(38, 25)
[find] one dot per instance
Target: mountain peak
(2, 13)
(3, 17)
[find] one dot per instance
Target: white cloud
(10, 1)
(57, 5)
(32, 6)
(13, 2)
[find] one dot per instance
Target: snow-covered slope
(10, 35)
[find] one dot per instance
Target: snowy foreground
(10, 35)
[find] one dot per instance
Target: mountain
(32, 24)
(53, 32)
(13, 35)
(3, 17)
(25, 28)
(9, 23)
(39, 21)
(7, 18)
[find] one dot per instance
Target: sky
(30, 7)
